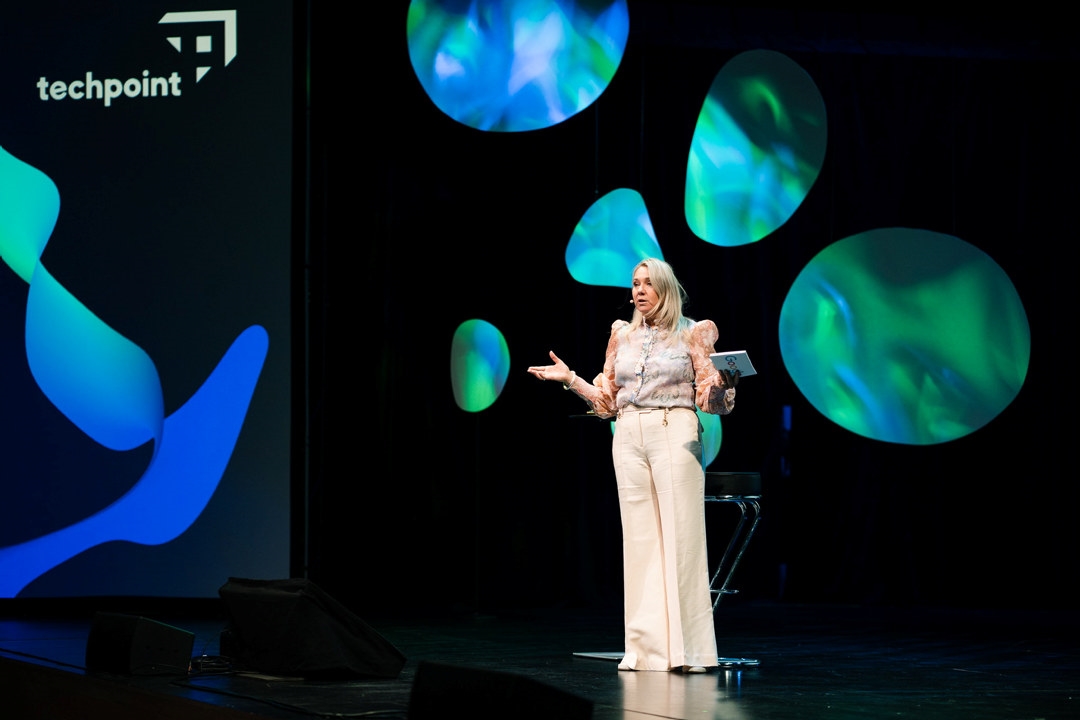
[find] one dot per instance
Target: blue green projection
(905, 336)
(515, 65)
(757, 149)
(612, 237)
(109, 388)
(712, 435)
(479, 365)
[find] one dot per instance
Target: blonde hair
(670, 298)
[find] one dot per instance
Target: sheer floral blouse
(649, 367)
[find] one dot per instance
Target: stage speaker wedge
(134, 645)
(293, 628)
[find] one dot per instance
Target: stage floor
(811, 662)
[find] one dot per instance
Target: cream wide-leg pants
(667, 603)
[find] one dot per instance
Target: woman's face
(643, 293)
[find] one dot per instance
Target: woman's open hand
(558, 372)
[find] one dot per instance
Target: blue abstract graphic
(110, 389)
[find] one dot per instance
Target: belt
(631, 408)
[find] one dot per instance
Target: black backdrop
(957, 125)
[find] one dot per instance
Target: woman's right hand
(557, 371)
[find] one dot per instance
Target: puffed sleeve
(602, 392)
(711, 393)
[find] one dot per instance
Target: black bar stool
(744, 490)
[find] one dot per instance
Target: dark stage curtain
(419, 223)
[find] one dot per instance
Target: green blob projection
(515, 65)
(757, 149)
(712, 435)
(479, 365)
(906, 336)
(612, 237)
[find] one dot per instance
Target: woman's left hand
(731, 378)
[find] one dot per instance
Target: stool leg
(754, 518)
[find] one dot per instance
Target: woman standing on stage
(656, 370)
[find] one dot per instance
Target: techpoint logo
(109, 89)
(204, 43)
(146, 86)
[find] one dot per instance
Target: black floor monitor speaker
(134, 645)
(293, 628)
(441, 691)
